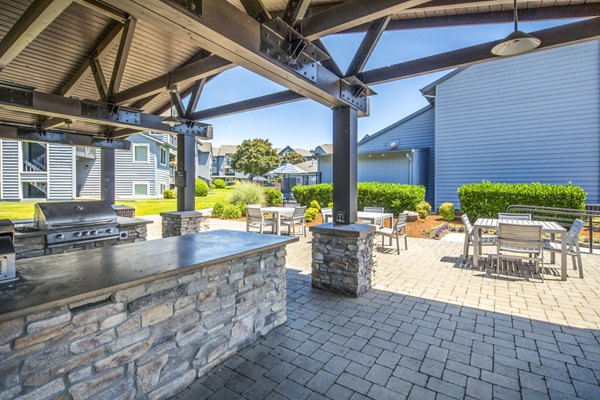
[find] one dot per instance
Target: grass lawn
(19, 210)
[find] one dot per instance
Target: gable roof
(367, 138)
(429, 90)
(326, 149)
(158, 138)
(204, 147)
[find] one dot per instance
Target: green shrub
(392, 197)
(310, 214)
(248, 193)
(242, 207)
(487, 199)
(314, 204)
(218, 208)
(232, 183)
(219, 184)
(231, 211)
(446, 211)
(423, 209)
(169, 194)
(201, 188)
(273, 197)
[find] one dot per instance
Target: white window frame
(166, 152)
(147, 184)
(147, 146)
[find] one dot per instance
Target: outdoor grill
(68, 223)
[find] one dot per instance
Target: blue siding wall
(413, 132)
(534, 117)
(325, 167)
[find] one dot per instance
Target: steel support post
(345, 135)
(186, 173)
(107, 175)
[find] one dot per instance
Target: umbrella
(259, 179)
(287, 169)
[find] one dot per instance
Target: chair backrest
(467, 223)
(401, 221)
(573, 234)
(299, 212)
(326, 210)
(374, 209)
(521, 217)
(254, 214)
(521, 236)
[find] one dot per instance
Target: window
(140, 189)
(163, 187)
(164, 156)
(141, 153)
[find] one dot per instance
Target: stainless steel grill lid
(73, 213)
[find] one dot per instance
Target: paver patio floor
(428, 330)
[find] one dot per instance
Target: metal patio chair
(326, 212)
(379, 210)
(296, 219)
(572, 245)
(521, 217)
(398, 230)
(256, 219)
(487, 240)
(520, 242)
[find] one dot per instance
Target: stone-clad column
(343, 260)
(181, 223)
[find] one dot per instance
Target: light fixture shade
(171, 121)
(517, 42)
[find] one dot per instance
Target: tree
(255, 157)
(291, 157)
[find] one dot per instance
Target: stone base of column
(179, 223)
(343, 260)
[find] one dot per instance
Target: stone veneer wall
(343, 261)
(184, 222)
(34, 244)
(148, 341)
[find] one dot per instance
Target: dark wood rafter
(34, 20)
(99, 78)
(141, 103)
(195, 93)
(295, 11)
(562, 35)
(199, 69)
(330, 63)
(108, 42)
(565, 34)
(367, 45)
(177, 102)
(286, 96)
(528, 14)
(104, 9)
(121, 58)
(256, 9)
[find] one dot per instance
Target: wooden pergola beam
(34, 20)
(121, 58)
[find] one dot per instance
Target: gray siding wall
(326, 168)
(61, 172)
(10, 158)
(91, 186)
(416, 132)
(533, 117)
(204, 165)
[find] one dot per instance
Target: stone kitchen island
(141, 320)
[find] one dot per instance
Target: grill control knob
(60, 236)
(77, 234)
(85, 233)
(109, 230)
(94, 232)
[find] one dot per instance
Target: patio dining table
(547, 227)
(374, 218)
(278, 212)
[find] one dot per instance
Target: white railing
(28, 166)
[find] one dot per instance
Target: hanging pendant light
(517, 42)
(172, 120)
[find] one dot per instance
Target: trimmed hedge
(487, 199)
(273, 197)
(393, 197)
(201, 188)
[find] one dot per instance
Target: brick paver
(429, 329)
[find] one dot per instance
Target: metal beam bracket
(285, 45)
(356, 92)
(111, 112)
(16, 94)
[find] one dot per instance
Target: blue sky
(307, 124)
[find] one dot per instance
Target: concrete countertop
(53, 281)
(124, 221)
